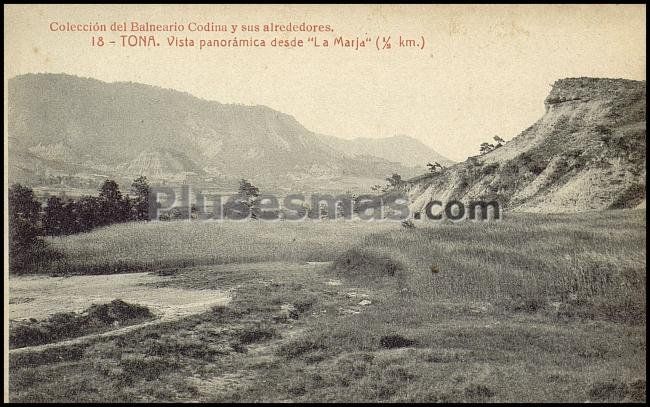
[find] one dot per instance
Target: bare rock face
(586, 153)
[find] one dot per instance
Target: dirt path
(41, 296)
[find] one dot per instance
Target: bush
(396, 341)
(256, 335)
(627, 310)
(352, 367)
(637, 390)
(521, 297)
(525, 304)
(408, 224)
(608, 391)
(478, 392)
(360, 263)
(67, 325)
(630, 197)
(147, 367)
(304, 304)
(118, 311)
(55, 355)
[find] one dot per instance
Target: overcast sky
(484, 70)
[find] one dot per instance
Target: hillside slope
(66, 125)
(586, 153)
(401, 149)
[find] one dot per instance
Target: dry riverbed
(41, 296)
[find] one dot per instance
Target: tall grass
(596, 254)
(463, 348)
(137, 246)
(590, 254)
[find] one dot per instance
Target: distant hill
(401, 149)
(62, 125)
(586, 153)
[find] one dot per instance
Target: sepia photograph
(298, 203)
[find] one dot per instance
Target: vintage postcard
(325, 203)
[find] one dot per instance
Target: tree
(323, 211)
(24, 230)
(355, 204)
(113, 208)
(248, 190)
(110, 191)
(22, 204)
(500, 142)
(125, 212)
(486, 148)
(194, 212)
(248, 194)
(87, 209)
(173, 214)
(70, 221)
(54, 217)
(345, 207)
(433, 168)
(140, 189)
(108, 200)
(395, 181)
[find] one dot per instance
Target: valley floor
(532, 308)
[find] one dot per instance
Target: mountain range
(587, 152)
(64, 126)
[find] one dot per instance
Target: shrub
(408, 224)
(610, 391)
(187, 347)
(637, 390)
(296, 386)
(626, 310)
(361, 263)
(256, 335)
(118, 311)
(147, 367)
(395, 341)
(67, 325)
(305, 304)
(521, 297)
(33, 359)
(490, 169)
(353, 367)
(478, 392)
(630, 197)
(28, 335)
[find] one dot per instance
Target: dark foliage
(27, 251)
(66, 325)
(395, 341)
(89, 212)
(360, 263)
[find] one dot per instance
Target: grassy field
(530, 308)
(591, 254)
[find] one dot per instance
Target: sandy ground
(41, 296)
